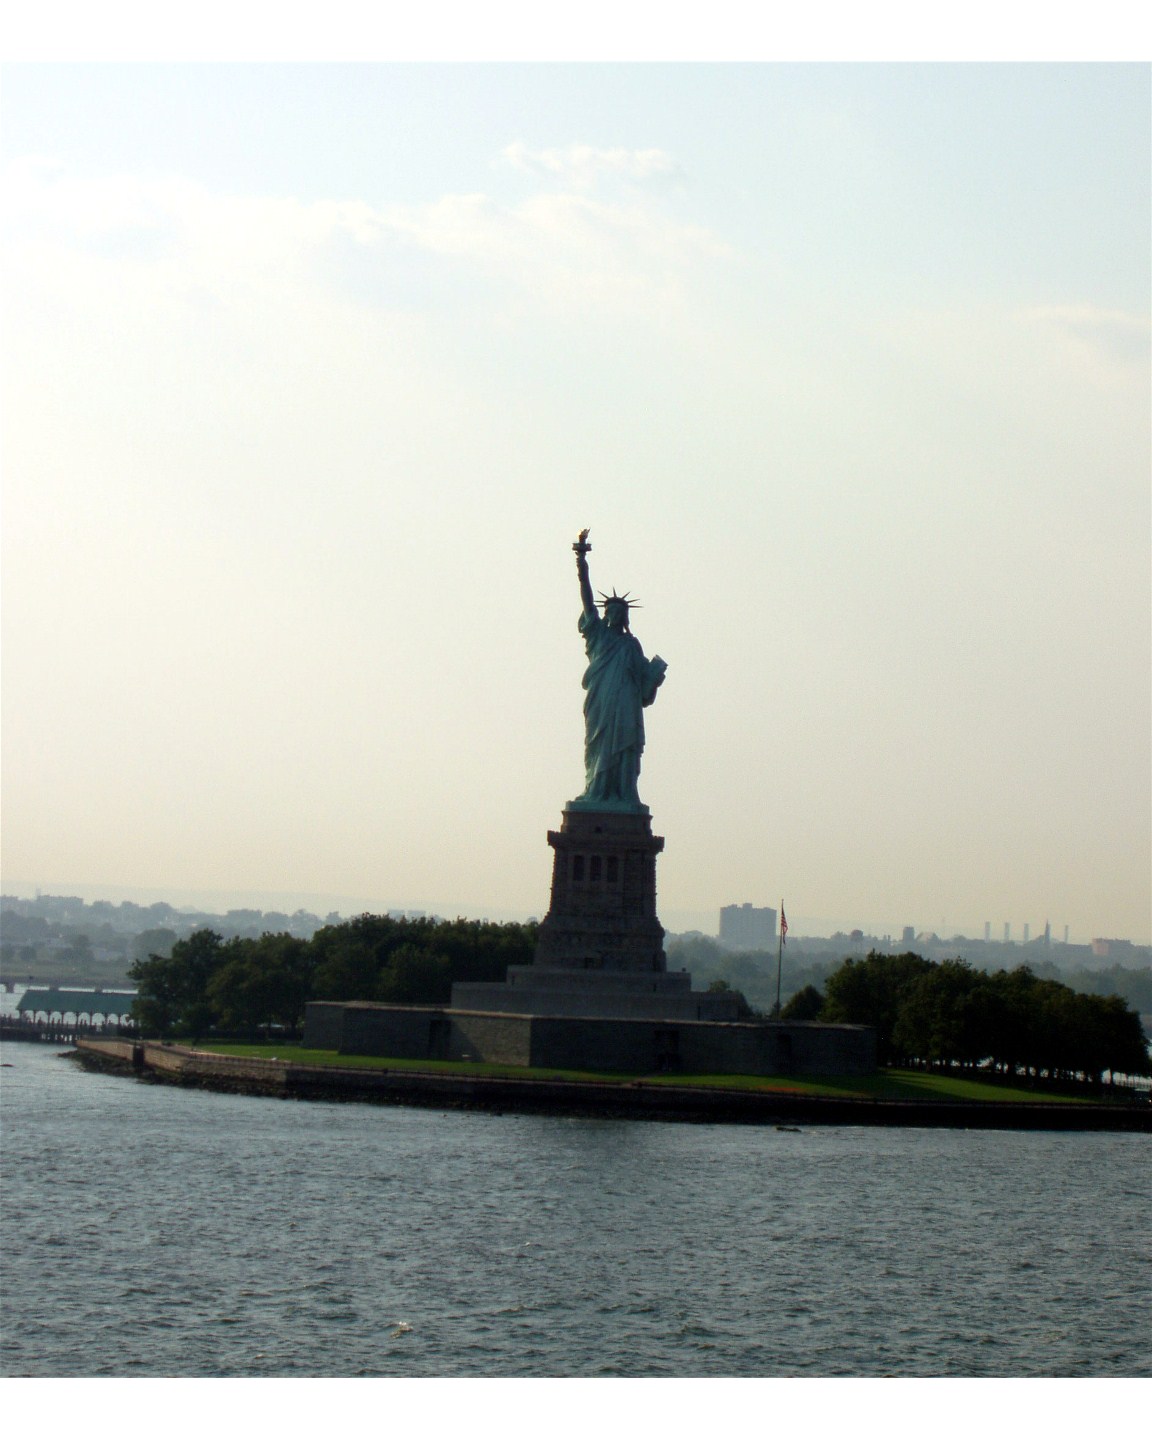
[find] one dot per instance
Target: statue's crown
(615, 599)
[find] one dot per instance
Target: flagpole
(780, 955)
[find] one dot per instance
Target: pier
(60, 1031)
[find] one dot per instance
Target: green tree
(348, 957)
(153, 942)
(721, 987)
(174, 990)
(870, 992)
(158, 1005)
(354, 960)
(806, 1004)
(1122, 1046)
(939, 1016)
(261, 983)
(415, 976)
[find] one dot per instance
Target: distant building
(1112, 949)
(747, 927)
(908, 935)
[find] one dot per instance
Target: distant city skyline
(815, 925)
(315, 372)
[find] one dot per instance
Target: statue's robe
(619, 682)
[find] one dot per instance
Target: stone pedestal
(601, 947)
(603, 910)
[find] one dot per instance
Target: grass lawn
(297, 1055)
(885, 1085)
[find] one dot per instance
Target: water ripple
(154, 1231)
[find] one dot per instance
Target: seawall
(622, 1099)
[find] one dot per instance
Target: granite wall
(563, 1042)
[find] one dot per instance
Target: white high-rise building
(747, 927)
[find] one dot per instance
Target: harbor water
(154, 1231)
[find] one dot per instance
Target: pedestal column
(602, 914)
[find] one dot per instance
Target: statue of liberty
(619, 682)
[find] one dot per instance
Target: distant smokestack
(1065, 934)
(1027, 932)
(987, 931)
(1007, 932)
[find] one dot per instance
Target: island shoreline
(153, 1061)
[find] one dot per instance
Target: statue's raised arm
(582, 548)
(619, 684)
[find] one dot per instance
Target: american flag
(783, 925)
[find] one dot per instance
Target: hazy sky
(313, 372)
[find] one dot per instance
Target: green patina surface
(619, 684)
(886, 1085)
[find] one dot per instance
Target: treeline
(924, 1012)
(243, 986)
(948, 1014)
(754, 971)
(1130, 984)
